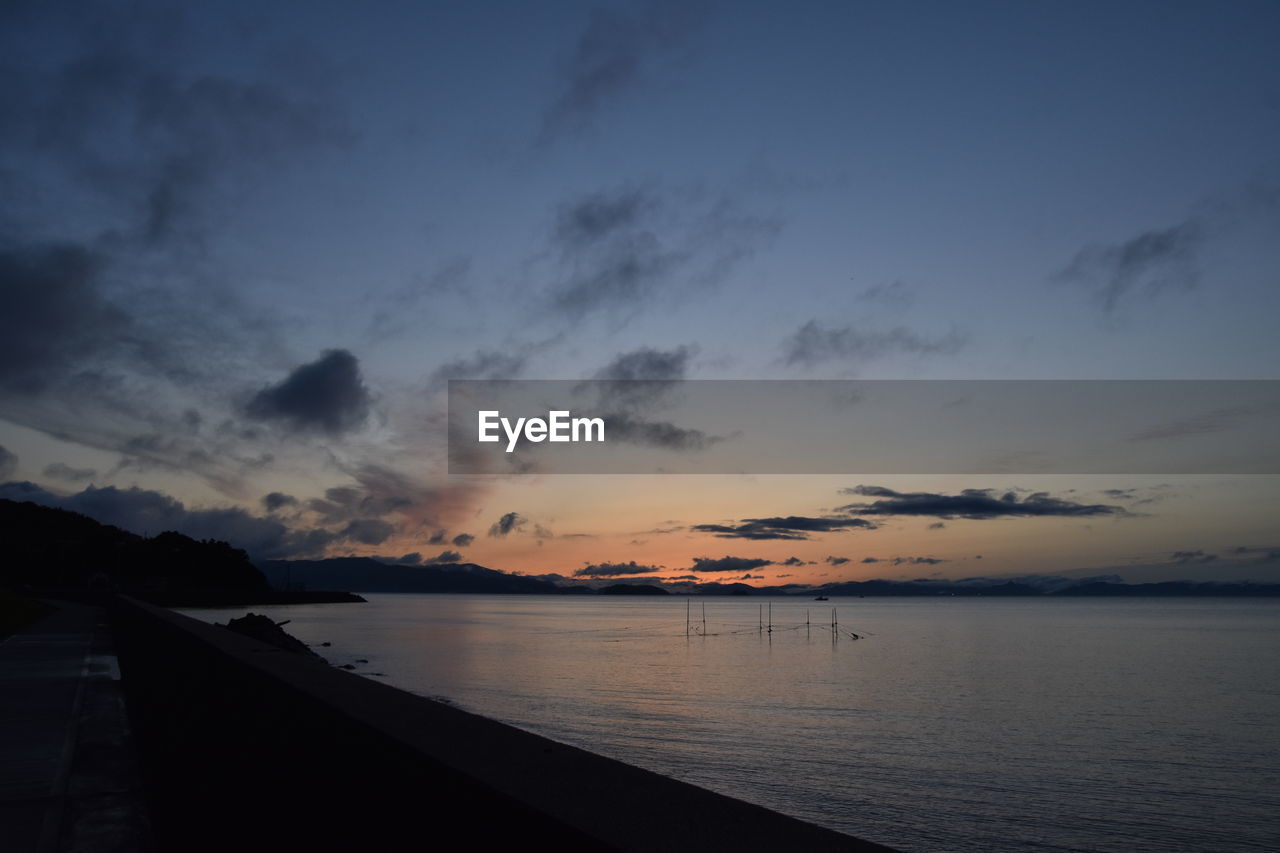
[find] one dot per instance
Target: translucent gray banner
(864, 427)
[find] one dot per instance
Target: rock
(264, 630)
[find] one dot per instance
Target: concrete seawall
(245, 744)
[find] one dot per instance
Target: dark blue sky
(244, 244)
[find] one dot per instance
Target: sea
(926, 724)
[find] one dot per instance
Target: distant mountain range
(366, 574)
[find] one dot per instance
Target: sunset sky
(245, 245)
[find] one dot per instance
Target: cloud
(1192, 557)
(613, 55)
(648, 365)
(727, 564)
(937, 525)
(274, 501)
(368, 531)
(53, 319)
(483, 364)
(970, 503)
(619, 249)
(837, 561)
(812, 344)
(796, 561)
(624, 427)
(916, 561)
(599, 215)
(508, 522)
(610, 570)
(790, 527)
(462, 540)
(63, 471)
(1152, 261)
(870, 559)
(121, 119)
(411, 559)
(327, 395)
(896, 295)
(8, 463)
(444, 557)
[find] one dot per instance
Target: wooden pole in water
(806, 622)
(686, 617)
(704, 619)
(770, 617)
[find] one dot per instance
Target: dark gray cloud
(53, 319)
(970, 503)
(274, 501)
(635, 384)
(107, 115)
(790, 527)
(8, 463)
(378, 493)
(508, 522)
(63, 471)
(368, 531)
(896, 295)
(462, 540)
(632, 429)
(870, 559)
(812, 344)
(483, 364)
(1192, 557)
(413, 558)
(326, 395)
(617, 250)
(610, 570)
(438, 537)
(615, 52)
(444, 557)
(648, 365)
(796, 561)
(916, 561)
(1150, 262)
(727, 564)
(123, 119)
(837, 561)
(599, 215)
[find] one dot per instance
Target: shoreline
(241, 738)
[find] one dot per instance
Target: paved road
(68, 777)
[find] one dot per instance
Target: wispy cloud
(789, 527)
(813, 344)
(615, 53)
(970, 503)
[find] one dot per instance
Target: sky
(244, 246)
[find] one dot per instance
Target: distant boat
(821, 598)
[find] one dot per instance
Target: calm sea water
(951, 725)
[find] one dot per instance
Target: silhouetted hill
(1011, 588)
(1172, 588)
(364, 574)
(633, 589)
(57, 551)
